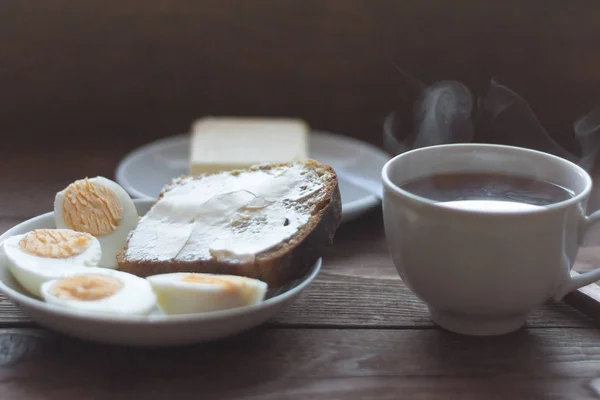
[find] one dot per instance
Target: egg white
(175, 296)
(113, 242)
(134, 298)
(32, 271)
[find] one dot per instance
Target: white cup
(481, 272)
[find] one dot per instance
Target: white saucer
(145, 171)
(154, 330)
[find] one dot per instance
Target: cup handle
(586, 278)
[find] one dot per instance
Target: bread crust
(290, 260)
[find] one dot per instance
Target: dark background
(99, 71)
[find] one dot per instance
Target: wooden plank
(586, 300)
(308, 363)
(343, 301)
(359, 287)
(11, 316)
(359, 302)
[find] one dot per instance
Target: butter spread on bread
(268, 222)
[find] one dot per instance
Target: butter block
(226, 143)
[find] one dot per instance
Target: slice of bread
(213, 223)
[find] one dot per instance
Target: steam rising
(587, 132)
(507, 118)
(444, 115)
(444, 112)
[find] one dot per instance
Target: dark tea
(487, 190)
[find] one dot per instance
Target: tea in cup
(483, 234)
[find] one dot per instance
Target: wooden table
(356, 333)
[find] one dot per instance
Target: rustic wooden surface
(308, 363)
(356, 333)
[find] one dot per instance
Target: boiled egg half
(101, 290)
(185, 293)
(100, 207)
(43, 254)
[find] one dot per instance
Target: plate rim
(205, 317)
(350, 210)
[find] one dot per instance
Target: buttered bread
(269, 222)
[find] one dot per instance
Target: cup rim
(424, 201)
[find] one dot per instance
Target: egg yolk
(86, 287)
(90, 207)
(192, 278)
(54, 243)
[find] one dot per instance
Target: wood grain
(359, 287)
(335, 301)
(313, 363)
(350, 302)
(586, 300)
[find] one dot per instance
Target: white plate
(153, 330)
(145, 171)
